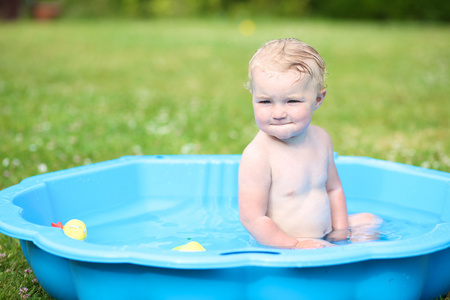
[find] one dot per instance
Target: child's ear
(319, 99)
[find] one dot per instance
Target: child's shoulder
(257, 148)
(319, 133)
(322, 139)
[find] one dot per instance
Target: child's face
(284, 103)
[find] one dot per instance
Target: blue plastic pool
(137, 209)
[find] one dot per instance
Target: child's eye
(264, 101)
(294, 101)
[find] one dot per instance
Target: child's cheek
(260, 118)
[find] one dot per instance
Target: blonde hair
(284, 54)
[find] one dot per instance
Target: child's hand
(312, 244)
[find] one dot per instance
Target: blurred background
(431, 10)
(88, 81)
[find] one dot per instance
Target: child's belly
(302, 216)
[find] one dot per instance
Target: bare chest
(297, 173)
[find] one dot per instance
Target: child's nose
(279, 112)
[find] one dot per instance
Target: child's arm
(339, 216)
(254, 187)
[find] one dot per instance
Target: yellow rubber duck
(75, 229)
(190, 247)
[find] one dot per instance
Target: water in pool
(163, 225)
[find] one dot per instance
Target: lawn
(79, 92)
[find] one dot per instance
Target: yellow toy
(75, 229)
(190, 247)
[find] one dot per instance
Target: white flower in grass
(16, 162)
(6, 162)
(42, 168)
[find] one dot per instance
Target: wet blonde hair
(285, 54)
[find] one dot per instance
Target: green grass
(79, 92)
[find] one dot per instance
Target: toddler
(290, 194)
